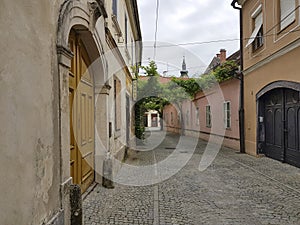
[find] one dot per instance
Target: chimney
(222, 55)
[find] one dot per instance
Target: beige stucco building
(271, 46)
(66, 97)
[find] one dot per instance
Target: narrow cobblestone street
(234, 189)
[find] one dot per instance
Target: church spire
(184, 72)
(183, 64)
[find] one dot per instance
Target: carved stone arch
(74, 12)
(80, 16)
(260, 104)
(278, 84)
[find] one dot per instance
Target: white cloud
(190, 21)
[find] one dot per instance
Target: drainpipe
(241, 78)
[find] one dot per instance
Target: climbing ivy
(222, 73)
(153, 95)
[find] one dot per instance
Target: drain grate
(170, 148)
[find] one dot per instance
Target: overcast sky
(185, 21)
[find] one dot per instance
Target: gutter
(241, 78)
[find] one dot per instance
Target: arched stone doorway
(82, 105)
(279, 121)
(78, 47)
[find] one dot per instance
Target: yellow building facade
(271, 46)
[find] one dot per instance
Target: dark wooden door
(292, 127)
(282, 118)
(274, 117)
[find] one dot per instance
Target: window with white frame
(187, 117)
(208, 116)
(167, 118)
(117, 103)
(126, 30)
(197, 116)
(256, 38)
(132, 52)
(115, 7)
(287, 12)
(227, 115)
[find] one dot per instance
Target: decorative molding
(102, 89)
(241, 2)
(116, 25)
(102, 8)
(116, 51)
(97, 10)
(273, 56)
(64, 56)
(278, 84)
(58, 219)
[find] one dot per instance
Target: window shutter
(115, 7)
(258, 21)
(287, 12)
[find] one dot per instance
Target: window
(126, 31)
(115, 7)
(172, 118)
(187, 117)
(256, 38)
(167, 118)
(208, 116)
(117, 101)
(227, 115)
(197, 116)
(287, 13)
(132, 54)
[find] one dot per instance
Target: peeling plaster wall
(30, 159)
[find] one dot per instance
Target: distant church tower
(184, 72)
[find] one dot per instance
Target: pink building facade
(212, 115)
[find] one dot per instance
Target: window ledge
(116, 25)
(286, 27)
(127, 53)
(117, 134)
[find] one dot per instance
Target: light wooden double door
(81, 97)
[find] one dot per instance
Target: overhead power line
(156, 28)
(214, 41)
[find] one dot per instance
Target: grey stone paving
(234, 189)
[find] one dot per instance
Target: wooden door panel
(82, 111)
(274, 144)
(292, 106)
(72, 138)
(282, 118)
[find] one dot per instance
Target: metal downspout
(241, 109)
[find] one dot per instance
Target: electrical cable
(156, 27)
(214, 41)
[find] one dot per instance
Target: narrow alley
(234, 189)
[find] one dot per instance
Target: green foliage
(222, 73)
(150, 97)
(151, 69)
(225, 71)
(139, 120)
(190, 86)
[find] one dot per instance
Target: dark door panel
(292, 151)
(282, 125)
(274, 144)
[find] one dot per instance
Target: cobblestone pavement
(234, 189)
